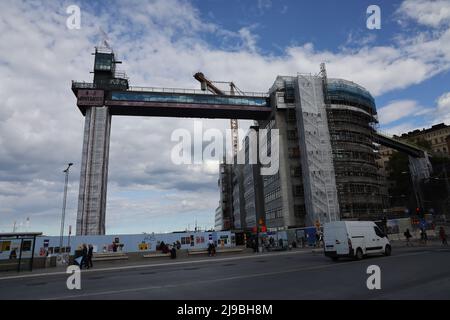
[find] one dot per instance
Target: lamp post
(63, 216)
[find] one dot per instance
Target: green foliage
(398, 168)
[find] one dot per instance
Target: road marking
(265, 274)
(143, 266)
(158, 264)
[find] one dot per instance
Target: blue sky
(330, 26)
(405, 65)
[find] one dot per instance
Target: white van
(354, 239)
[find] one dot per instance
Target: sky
(162, 43)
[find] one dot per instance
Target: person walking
(84, 253)
(408, 236)
(254, 245)
(13, 254)
(443, 236)
(89, 256)
(317, 244)
(423, 235)
(173, 251)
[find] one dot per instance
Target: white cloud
(399, 129)
(161, 43)
(248, 39)
(410, 111)
(443, 102)
(443, 108)
(396, 110)
(264, 5)
(434, 13)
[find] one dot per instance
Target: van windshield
(379, 233)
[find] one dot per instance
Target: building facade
(224, 213)
(327, 159)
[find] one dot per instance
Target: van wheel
(387, 250)
(359, 254)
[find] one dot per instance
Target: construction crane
(207, 84)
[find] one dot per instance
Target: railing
(83, 85)
(120, 74)
(87, 85)
(194, 91)
(406, 143)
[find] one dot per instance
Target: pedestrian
(443, 236)
(423, 235)
(89, 256)
(408, 236)
(280, 243)
(114, 246)
(213, 251)
(13, 254)
(84, 253)
(254, 245)
(209, 248)
(173, 251)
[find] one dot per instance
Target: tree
(401, 190)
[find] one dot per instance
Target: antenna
(105, 39)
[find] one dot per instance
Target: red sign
(90, 97)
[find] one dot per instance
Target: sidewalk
(152, 262)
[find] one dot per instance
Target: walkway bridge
(169, 102)
(407, 148)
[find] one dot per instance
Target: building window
(299, 210)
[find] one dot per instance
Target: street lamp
(63, 216)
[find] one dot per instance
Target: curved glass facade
(189, 98)
(349, 93)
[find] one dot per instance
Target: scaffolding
(321, 200)
(352, 123)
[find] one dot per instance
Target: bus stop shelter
(17, 248)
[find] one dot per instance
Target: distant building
(218, 221)
(438, 139)
(238, 198)
(224, 215)
(438, 136)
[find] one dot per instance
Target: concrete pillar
(94, 172)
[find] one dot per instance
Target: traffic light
(420, 212)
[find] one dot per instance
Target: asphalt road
(410, 273)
